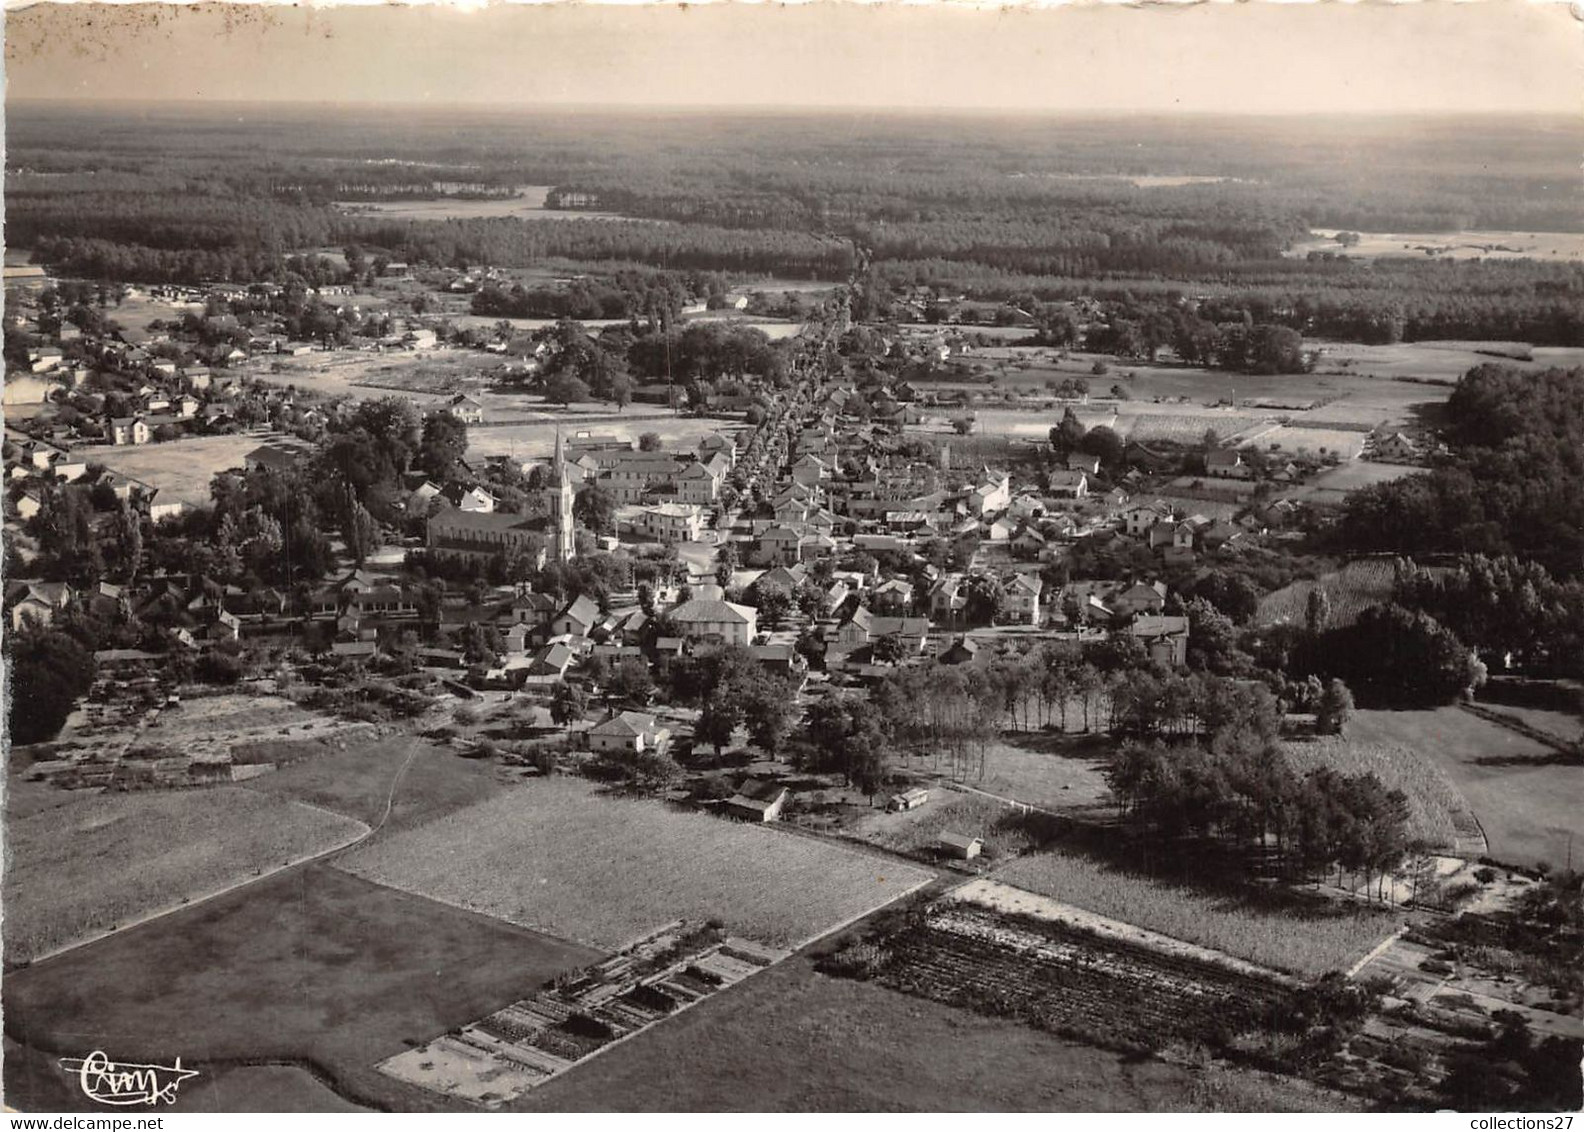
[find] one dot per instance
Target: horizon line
(913, 110)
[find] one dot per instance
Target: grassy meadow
(559, 857)
(82, 869)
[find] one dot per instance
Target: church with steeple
(558, 493)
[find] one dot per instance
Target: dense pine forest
(1132, 211)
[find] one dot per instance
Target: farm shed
(961, 846)
(758, 799)
(908, 799)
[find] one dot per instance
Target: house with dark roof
(758, 799)
(577, 619)
(713, 620)
(474, 534)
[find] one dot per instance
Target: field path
(309, 859)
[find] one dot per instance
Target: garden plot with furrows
(1061, 978)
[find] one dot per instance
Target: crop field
(1529, 800)
(181, 469)
(310, 966)
(1351, 590)
(1057, 976)
(83, 869)
(556, 856)
(1298, 936)
(1437, 811)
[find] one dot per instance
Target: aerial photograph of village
(842, 558)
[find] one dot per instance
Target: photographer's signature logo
(126, 1082)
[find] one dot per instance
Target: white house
(629, 731)
(671, 522)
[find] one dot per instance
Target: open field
(358, 780)
(310, 966)
(1528, 800)
(1005, 830)
(1430, 361)
(1450, 245)
(85, 868)
(1437, 812)
(181, 469)
(791, 1040)
(537, 440)
(1351, 590)
(260, 1088)
(1136, 421)
(1289, 441)
(1303, 938)
(1559, 723)
(1064, 774)
(556, 856)
(425, 376)
(528, 204)
(1333, 486)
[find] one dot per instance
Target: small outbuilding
(758, 799)
(961, 846)
(908, 800)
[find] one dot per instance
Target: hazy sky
(1495, 55)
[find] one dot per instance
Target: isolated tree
(1334, 709)
(889, 649)
(1068, 435)
(649, 442)
(774, 603)
(1317, 613)
(1103, 441)
(565, 388)
(718, 720)
(443, 443)
(49, 670)
(595, 509)
(630, 682)
(361, 532)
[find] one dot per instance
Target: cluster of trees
(656, 296)
(49, 670)
(1504, 605)
(1247, 796)
(843, 735)
(1511, 1072)
(733, 690)
(1070, 436)
(1514, 484)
